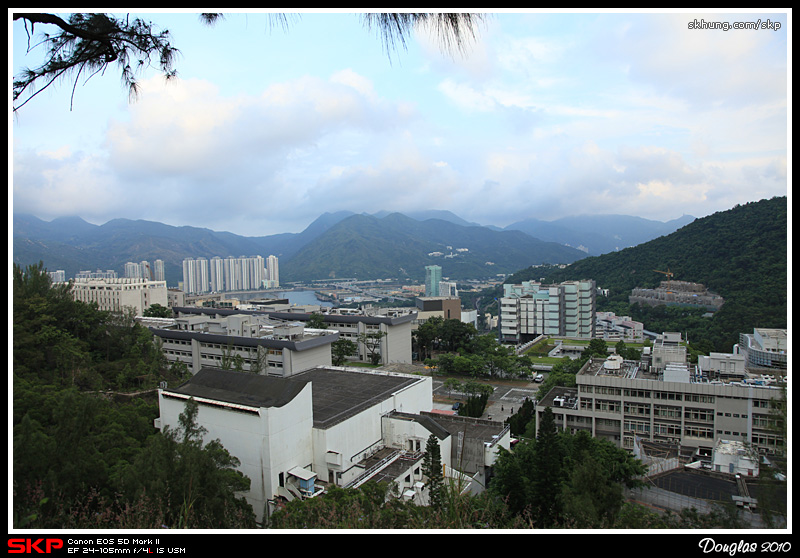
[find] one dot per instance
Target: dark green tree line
(564, 480)
(79, 451)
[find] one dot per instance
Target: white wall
(358, 436)
(273, 441)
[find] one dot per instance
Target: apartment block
(202, 275)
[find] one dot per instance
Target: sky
(543, 115)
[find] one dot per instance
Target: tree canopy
(85, 451)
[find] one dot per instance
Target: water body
(294, 297)
(303, 297)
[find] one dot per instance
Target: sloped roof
(240, 388)
(336, 394)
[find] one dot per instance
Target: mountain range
(342, 244)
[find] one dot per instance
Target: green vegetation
(456, 348)
(85, 451)
(740, 254)
(562, 479)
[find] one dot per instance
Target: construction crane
(668, 273)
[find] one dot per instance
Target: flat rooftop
(624, 369)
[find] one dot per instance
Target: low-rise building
(249, 342)
(116, 294)
(765, 350)
(623, 401)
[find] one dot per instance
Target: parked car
(539, 378)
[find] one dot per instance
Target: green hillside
(367, 247)
(740, 254)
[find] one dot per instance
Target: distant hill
(365, 246)
(740, 254)
(342, 244)
(599, 234)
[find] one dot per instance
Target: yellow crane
(668, 273)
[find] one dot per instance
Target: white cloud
(545, 115)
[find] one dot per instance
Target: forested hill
(740, 254)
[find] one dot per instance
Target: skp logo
(29, 546)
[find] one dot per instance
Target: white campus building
(296, 436)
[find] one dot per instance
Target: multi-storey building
(99, 274)
(159, 271)
(58, 276)
(530, 309)
(384, 332)
(433, 276)
(625, 401)
(619, 328)
(115, 295)
(272, 280)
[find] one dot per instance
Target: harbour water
(303, 297)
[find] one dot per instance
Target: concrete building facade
(253, 343)
(623, 401)
(764, 350)
(114, 295)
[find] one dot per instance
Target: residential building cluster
(143, 270)
(204, 275)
